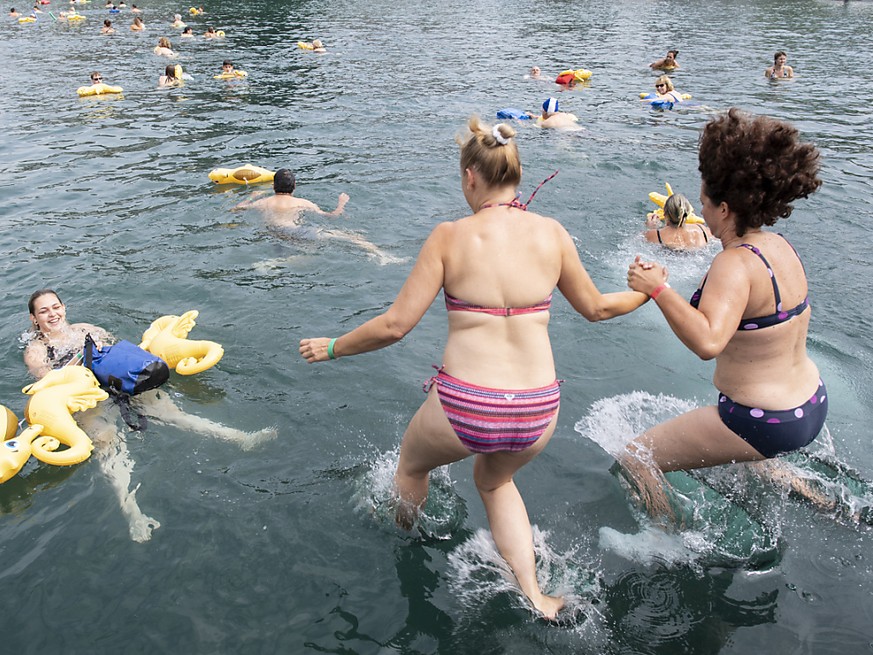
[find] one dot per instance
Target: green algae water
(286, 548)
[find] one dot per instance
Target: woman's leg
(507, 516)
(160, 406)
(696, 439)
(115, 463)
(428, 442)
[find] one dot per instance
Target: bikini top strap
(523, 205)
(778, 296)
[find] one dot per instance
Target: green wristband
(330, 352)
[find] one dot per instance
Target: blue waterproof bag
(124, 368)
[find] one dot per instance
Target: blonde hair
(164, 42)
(497, 161)
(677, 209)
(663, 79)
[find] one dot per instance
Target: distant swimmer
(312, 46)
(666, 91)
(172, 76)
(210, 33)
(187, 33)
(135, 9)
(177, 21)
(164, 48)
(552, 117)
(137, 25)
(677, 234)
(13, 13)
(779, 69)
(284, 210)
(535, 73)
(668, 63)
(107, 27)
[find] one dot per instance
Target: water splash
(478, 574)
(443, 514)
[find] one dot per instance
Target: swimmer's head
(317, 44)
(47, 311)
(96, 77)
(170, 70)
(227, 65)
(677, 209)
(164, 42)
(550, 106)
(187, 30)
(284, 181)
(781, 53)
(672, 54)
(177, 17)
(492, 152)
(663, 84)
(107, 22)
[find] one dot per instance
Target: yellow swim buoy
(168, 339)
(235, 75)
(245, 174)
(27, 19)
(660, 199)
(54, 400)
(97, 90)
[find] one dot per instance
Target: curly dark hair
(757, 165)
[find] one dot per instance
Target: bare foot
(548, 606)
(253, 439)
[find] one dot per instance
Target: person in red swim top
(496, 396)
(751, 313)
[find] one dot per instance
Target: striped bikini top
(779, 316)
(457, 305)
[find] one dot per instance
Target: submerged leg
(114, 460)
(428, 442)
(161, 407)
(371, 248)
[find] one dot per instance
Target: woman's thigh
(696, 439)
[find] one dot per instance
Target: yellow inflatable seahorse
(659, 199)
(245, 174)
(15, 450)
(53, 401)
(168, 339)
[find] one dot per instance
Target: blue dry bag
(125, 368)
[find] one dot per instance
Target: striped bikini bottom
(490, 420)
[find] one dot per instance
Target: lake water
(285, 548)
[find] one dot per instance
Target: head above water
(492, 152)
(37, 295)
(550, 106)
(666, 81)
(756, 165)
(170, 70)
(164, 42)
(672, 54)
(677, 209)
(780, 53)
(284, 181)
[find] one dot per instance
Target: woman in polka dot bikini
(751, 312)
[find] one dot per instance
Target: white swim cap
(550, 106)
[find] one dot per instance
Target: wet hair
(107, 22)
(92, 75)
(170, 70)
(677, 209)
(498, 163)
(188, 30)
(284, 181)
(164, 42)
(781, 53)
(675, 53)
(36, 295)
(757, 165)
(227, 62)
(663, 79)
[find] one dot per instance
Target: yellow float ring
(97, 90)
(236, 75)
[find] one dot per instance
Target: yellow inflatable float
(75, 17)
(571, 76)
(194, 11)
(16, 450)
(659, 199)
(97, 90)
(235, 75)
(27, 19)
(54, 400)
(245, 174)
(168, 339)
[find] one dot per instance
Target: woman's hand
(314, 350)
(645, 277)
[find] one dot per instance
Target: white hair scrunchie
(502, 140)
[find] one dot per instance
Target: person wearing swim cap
(553, 117)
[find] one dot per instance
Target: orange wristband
(658, 289)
